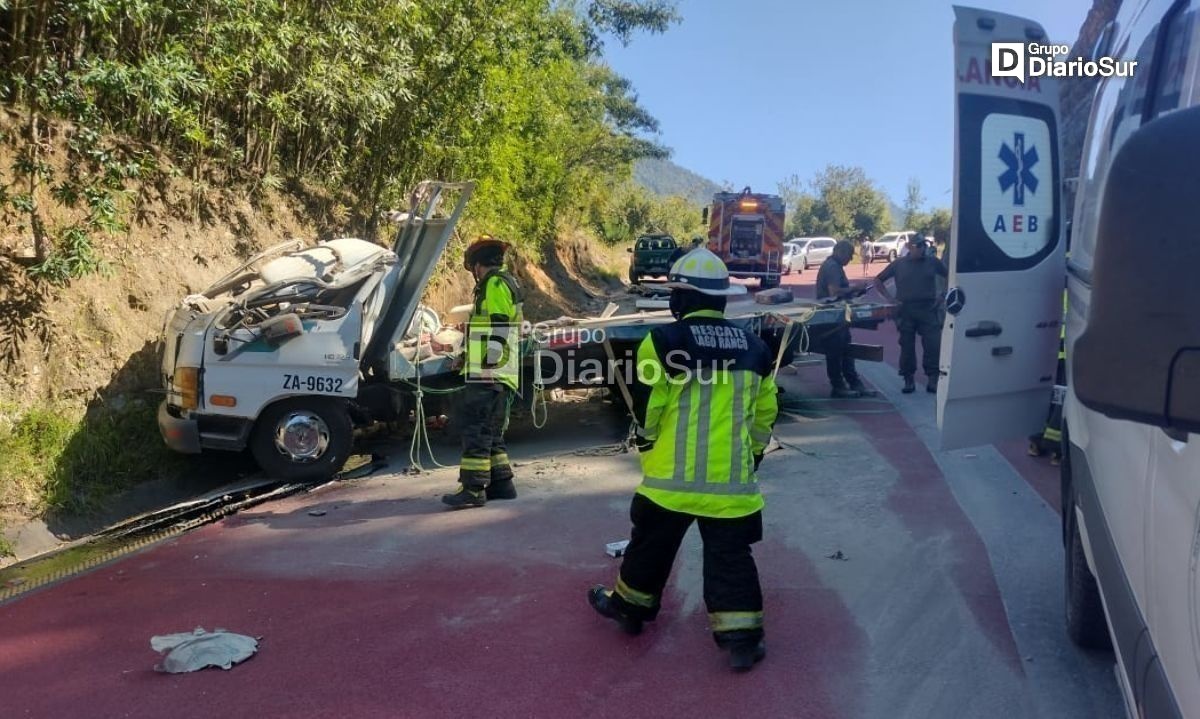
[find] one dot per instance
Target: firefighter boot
(464, 499)
(909, 385)
(931, 385)
(601, 599)
(746, 648)
(501, 489)
(744, 655)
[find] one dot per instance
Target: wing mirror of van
(1139, 356)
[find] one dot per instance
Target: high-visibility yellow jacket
(494, 331)
(711, 407)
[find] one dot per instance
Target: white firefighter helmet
(702, 271)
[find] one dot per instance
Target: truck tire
(634, 277)
(1086, 625)
(303, 439)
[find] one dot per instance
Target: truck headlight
(187, 385)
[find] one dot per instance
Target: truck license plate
(311, 383)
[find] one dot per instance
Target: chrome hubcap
(302, 436)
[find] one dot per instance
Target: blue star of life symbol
(1018, 176)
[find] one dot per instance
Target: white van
(1131, 470)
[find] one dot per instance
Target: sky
(752, 92)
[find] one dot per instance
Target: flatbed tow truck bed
(801, 326)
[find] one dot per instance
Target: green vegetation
(843, 202)
(359, 97)
(838, 202)
(935, 223)
(52, 458)
(632, 210)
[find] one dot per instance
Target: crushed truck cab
(288, 352)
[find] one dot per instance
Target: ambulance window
(1172, 64)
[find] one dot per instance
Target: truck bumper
(181, 435)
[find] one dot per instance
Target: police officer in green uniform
(492, 371)
(915, 276)
(707, 408)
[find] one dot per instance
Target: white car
(1131, 408)
(892, 245)
(790, 248)
(810, 252)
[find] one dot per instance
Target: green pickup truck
(652, 255)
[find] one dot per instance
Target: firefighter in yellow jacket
(710, 403)
(491, 369)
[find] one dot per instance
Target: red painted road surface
(881, 601)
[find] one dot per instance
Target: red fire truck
(745, 229)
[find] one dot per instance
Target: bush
(52, 459)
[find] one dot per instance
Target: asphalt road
(899, 582)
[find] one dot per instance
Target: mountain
(663, 177)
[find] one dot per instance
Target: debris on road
(838, 556)
(616, 549)
(777, 296)
(199, 649)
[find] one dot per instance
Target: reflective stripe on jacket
(711, 409)
(494, 331)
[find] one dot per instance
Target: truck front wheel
(304, 439)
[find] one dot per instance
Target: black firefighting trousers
(484, 456)
(731, 588)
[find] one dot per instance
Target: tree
(838, 202)
(913, 200)
(935, 223)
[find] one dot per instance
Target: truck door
(1004, 305)
(746, 237)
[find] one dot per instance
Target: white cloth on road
(198, 649)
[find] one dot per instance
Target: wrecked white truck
(287, 353)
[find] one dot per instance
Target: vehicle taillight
(187, 384)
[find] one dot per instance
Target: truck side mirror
(1139, 356)
(704, 216)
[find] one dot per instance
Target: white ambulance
(1131, 470)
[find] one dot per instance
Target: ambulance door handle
(985, 329)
